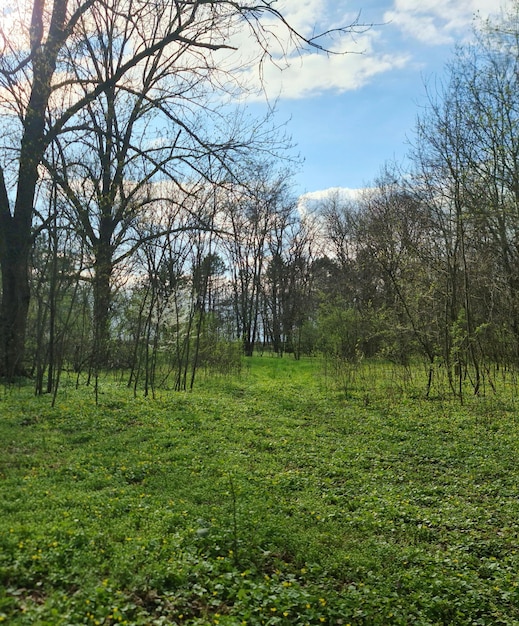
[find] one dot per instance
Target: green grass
(273, 497)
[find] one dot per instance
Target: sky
(350, 114)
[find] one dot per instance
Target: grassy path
(268, 498)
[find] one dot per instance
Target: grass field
(272, 497)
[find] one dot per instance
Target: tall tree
(48, 75)
(251, 215)
(467, 153)
(287, 285)
(392, 230)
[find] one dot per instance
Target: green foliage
(341, 331)
(270, 497)
(216, 353)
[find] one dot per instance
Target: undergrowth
(269, 497)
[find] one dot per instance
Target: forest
(223, 405)
(155, 241)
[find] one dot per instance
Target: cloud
(297, 74)
(293, 73)
(314, 74)
(440, 22)
(309, 202)
(303, 14)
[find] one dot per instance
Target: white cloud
(308, 202)
(300, 74)
(439, 22)
(303, 14)
(315, 73)
(294, 74)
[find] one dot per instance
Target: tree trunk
(15, 248)
(16, 228)
(103, 270)
(14, 308)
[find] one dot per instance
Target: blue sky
(350, 114)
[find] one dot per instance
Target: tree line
(433, 250)
(101, 102)
(148, 227)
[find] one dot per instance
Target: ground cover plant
(274, 496)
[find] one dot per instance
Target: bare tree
(289, 281)
(392, 231)
(252, 212)
(49, 75)
(467, 156)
